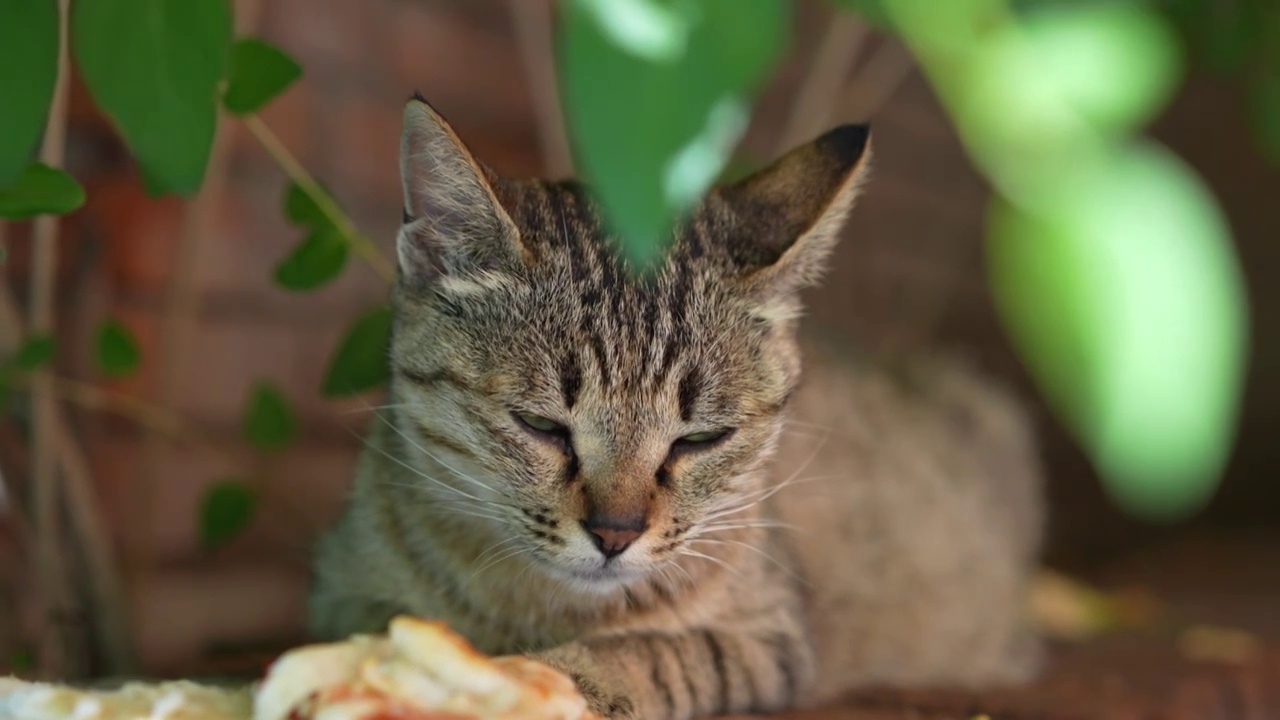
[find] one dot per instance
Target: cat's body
(632, 479)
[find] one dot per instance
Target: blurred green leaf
(259, 71)
(656, 97)
(316, 261)
(29, 41)
(40, 190)
(37, 352)
(154, 66)
(360, 362)
(1124, 298)
(227, 509)
(301, 210)
(1116, 65)
(117, 350)
(1032, 99)
(268, 423)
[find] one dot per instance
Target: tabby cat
(624, 475)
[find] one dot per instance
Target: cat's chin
(603, 580)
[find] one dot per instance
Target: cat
(628, 476)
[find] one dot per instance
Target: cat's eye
(541, 424)
(703, 439)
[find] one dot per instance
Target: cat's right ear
(453, 221)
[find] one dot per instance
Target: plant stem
(819, 93)
(58, 647)
(534, 34)
(84, 512)
(359, 242)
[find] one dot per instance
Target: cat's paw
(604, 700)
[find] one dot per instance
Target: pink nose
(614, 535)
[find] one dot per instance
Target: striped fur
(856, 527)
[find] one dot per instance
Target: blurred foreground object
(418, 671)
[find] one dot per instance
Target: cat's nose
(613, 535)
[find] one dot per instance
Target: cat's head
(596, 416)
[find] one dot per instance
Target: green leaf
(28, 72)
(154, 66)
(117, 350)
(360, 362)
(1116, 65)
(37, 352)
(314, 262)
(268, 423)
(259, 72)
(657, 95)
(228, 508)
(301, 210)
(40, 190)
(1123, 295)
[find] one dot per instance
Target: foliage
(1110, 260)
(228, 507)
(158, 80)
(361, 361)
(40, 190)
(28, 71)
(657, 95)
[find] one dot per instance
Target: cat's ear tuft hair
(453, 220)
(789, 214)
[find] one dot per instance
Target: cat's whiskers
(494, 548)
(689, 552)
(748, 546)
(509, 553)
(460, 474)
(746, 501)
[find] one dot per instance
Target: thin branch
(532, 21)
(878, 79)
(94, 539)
(818, 96)
(360, 243)
(57, 652)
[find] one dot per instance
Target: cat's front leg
(694, 674)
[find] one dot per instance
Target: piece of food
(419, 670)
(180, 700)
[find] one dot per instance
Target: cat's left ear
(788, 216)
(454, 223)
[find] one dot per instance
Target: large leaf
(1123, 296)
(315, 262)
(269, 424)
(37, 352)
(117, 350)
(28, 72)
(154, 66)
(360, 362)
(657, 95)
(227, 509)
(259, 72)
(40, 190)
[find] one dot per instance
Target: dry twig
(532, 21)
